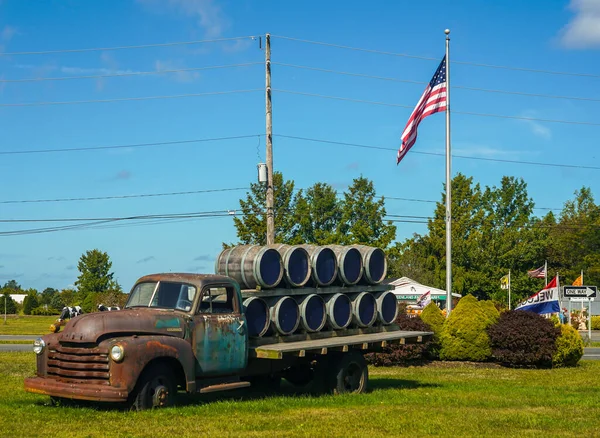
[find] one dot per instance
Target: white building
(408, 290)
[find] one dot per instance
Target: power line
(141, 46)
(428, 58)
(347, 99)
(408, 81)
(144, 195)
(100, 219)
(135, 145)
(532, 163)
(134, 73)
(128, 99)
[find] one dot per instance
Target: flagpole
(545, 272)
(509, 289)
(448, 184)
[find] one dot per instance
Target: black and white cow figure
(103, 308)
(69, 312)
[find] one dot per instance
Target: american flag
(538, 273)
(432, 101)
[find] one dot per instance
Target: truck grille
(79, 363)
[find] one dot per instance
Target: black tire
(349, 374)
(156, 388)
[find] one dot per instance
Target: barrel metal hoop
(242, 263)
(227, 261)
(256, 266)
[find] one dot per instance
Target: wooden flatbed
(365, 342)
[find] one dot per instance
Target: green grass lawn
(440, 399)
(26, 325)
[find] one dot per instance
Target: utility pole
(269, 119)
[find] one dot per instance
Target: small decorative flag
(424, 299)
(538, 273)
(504, 282)
(578, 281)
(432, 101)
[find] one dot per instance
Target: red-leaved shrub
(402, 354)
(523, 339)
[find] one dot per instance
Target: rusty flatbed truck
(189, 332)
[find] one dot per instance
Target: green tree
(30, 302)
(47, 295)
(362, 218)
(95, 276)
(57, 302)
(68, 297)
(13, 285)
(318, 215)
(11, 306)
(251, 228)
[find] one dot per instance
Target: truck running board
(224, 387)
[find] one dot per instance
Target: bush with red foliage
(523, 339)
(403, 354)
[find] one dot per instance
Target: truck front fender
(139, 351)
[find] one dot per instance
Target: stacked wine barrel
(291, 289)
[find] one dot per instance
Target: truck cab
(176, 330)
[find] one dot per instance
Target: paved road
(591, 353)
(18, 337)
(15, 347)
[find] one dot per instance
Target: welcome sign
(545, 301)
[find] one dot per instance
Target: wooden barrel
(285, 315)
(313, 314)
(323, 263)
(339, 311)
(374, 264)
(387, 307)
(251, 266)
(296, 264)
(364, 309)
(257, 316)
(350, 264)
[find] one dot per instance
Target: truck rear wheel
(156, 389)
(349, 374)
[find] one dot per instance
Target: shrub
(464, 336)
(42, 311)
(490, 311)
(29, 303)
(433, 317)
(395, 354)
(521, 338)
(569, 347)
(595, 322)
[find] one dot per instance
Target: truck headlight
(38, 346)
(117, 353)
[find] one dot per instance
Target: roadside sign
(580, 291)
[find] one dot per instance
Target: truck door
(220, 340)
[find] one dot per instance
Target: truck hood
(138, 321)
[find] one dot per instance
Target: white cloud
(583, 31)
(208, 14)
(537, 128)
(180, 76)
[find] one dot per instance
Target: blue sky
(545, 35)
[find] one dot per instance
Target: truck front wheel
(156, 389)
(349, 374)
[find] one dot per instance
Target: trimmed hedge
(402, 354)
(464, 336)
(569, 347)
(595, 322)
(521, 338)
(433, 317)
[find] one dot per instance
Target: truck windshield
(168, 295)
